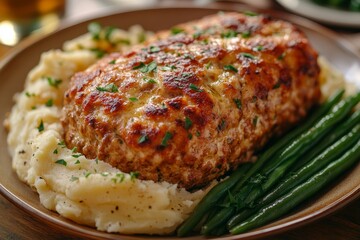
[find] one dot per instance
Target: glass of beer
(20, 18)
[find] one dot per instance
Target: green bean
(210, 200)
(286, 159)
(221, 230)
(302, 192)
(290, 155)
(223, 214)
(322, 127)
(330, 138)
(282, 142)
(320, 112)
(315, 165)
(302, 174)
(241, 216)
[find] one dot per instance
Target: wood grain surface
(344, 224)
(16, 224)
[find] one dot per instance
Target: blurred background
(22, 18)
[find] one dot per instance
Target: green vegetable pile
(290, 171)
(352, 5)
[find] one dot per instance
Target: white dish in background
(327, 15)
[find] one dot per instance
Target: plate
(14, 68)
(323, 14)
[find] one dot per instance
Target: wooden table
(343, 224)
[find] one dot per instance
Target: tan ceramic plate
(15, 67)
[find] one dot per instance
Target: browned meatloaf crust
(194, 102)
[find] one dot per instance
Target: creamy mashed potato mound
(90, 191)
(87, 191)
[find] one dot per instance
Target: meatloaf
(193, 102)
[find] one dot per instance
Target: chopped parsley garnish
(255, 120)
(247, 55)
(222, 125)
(30, 94)
(146, 68)
(112, 61)
(168, 68)
(108, 31)
(94, 29)
(165, 139)
(73, 178)
(197, 34)
(141, 65)
(119, 177)
(49, 103)
(62, 144)
(76, 155)
(197, 133)
(41, 126)
(87, 174)
(98, 33)
(105, 174)
(33, 107)
(124, 41)
(97, 161)
(246, 34)
(229, 34)
(281, 57)
(259, 48)
(176, 30)
(108, 88)
(208, 65)
(249, 13)
(151, 81)
(61, 161)
(230, 68)
(134, 175)
(190, 136)
(188, 56)
(195, 88)
(74, 150)
(185, 74)
(98, 52)
(133, 99)
(77, 161)
(55, 151)
(237, 103)
(143, 138)
(254, 99)
(54, 82)
(154, 49)
(188, 123)
(277, 85)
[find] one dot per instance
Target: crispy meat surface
(194, 102)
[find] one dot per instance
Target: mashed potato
(332, 79)
(89, 191)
